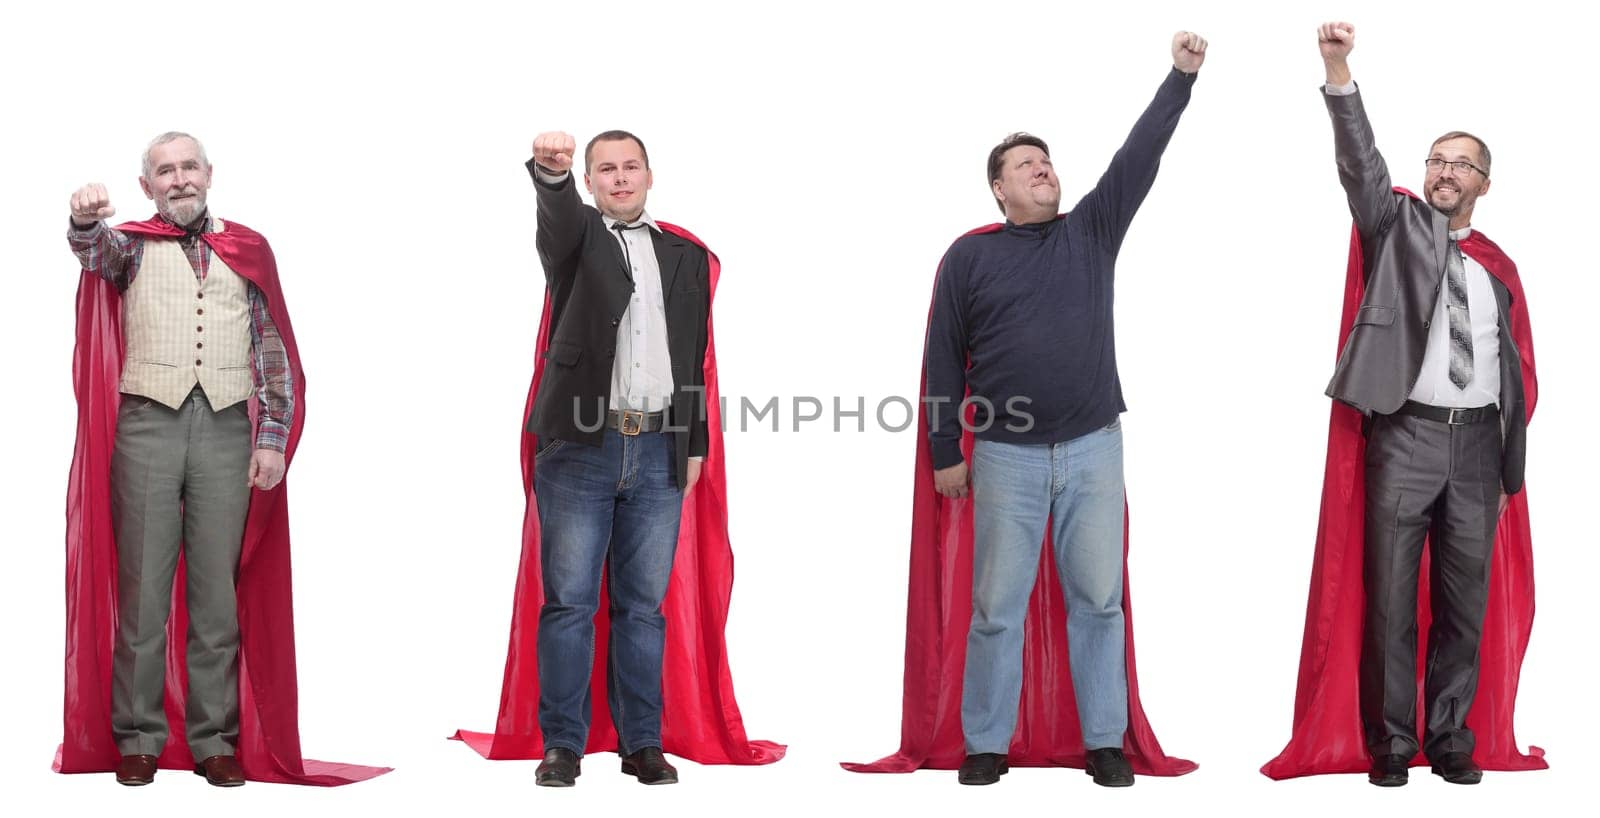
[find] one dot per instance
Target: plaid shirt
(115, 256)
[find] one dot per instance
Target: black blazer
(1403, 245)
(590, 287)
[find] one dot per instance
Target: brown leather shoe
(136, 771)
(221, 771)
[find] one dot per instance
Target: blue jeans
(616, 506)
(1077, 488)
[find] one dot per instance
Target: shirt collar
(1033, 227)
(202, 224)
(644, 219)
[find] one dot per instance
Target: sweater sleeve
(945, 361)
(1108, 209)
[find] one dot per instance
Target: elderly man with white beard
(199, 343)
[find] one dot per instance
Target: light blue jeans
(1076, 487)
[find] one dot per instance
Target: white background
(829, 152)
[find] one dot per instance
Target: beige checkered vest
(179, 331)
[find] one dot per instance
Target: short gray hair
(1483, 149)
(171, 136)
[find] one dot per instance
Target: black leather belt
(635, 423)
(1454, 417)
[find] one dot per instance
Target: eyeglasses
(1459, 167)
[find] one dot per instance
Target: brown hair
(613, 136)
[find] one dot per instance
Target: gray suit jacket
(1403, 244)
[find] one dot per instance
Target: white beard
(184, 213)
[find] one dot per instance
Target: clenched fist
(553, 151)
(1188, 51)
(1336, 40)
(90, 204)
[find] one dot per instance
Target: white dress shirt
(641, 378)
(1434, 386)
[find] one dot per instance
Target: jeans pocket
(548, 447)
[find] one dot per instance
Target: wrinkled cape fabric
(269, 732)
(700, 719)
(1327, 736)
(939, 611)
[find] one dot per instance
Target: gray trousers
(178, 480)
(1426, 479)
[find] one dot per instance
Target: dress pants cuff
(206, 749)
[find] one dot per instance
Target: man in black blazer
(621, 425)
(1432, 363)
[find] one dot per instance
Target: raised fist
(1336, 40)
(90, 204)
(1188, 51)
(553, 150)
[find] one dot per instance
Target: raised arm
(1110, 206)
(1362, 171)
(560, 216)
(101, 250)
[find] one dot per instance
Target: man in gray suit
(1432, 364)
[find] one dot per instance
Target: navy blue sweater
(1022, 317)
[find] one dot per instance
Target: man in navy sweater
(1022, 329)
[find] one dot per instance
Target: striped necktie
(1460, 318)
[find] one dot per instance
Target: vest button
(199, 295)
(1427, 324)
(197, 362)
(199, 329)
(199, 312)
(198, 346)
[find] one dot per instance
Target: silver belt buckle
(637, 419)
(1452, 419)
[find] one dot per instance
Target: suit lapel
(669, 257)
(615, 241)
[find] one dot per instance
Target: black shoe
(560, 768)
(1109, 767)
(1389, 771)
(1457, 768)
(983, 768)
(649, 766)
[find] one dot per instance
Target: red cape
(938, 613)
(269, 732)
(1327, 735)
(700, 719)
